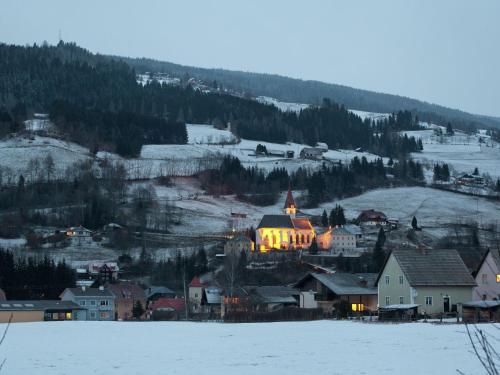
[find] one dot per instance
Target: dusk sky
(445, 52)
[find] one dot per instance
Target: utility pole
(184, 285)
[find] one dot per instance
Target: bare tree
(2, 363)
(483, 349)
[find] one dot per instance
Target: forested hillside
(312, 92)
(98, 103)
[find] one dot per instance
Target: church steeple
(290, 207)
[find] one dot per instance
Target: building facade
(98, 302)
(488, 277)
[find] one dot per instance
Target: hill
(312, 92)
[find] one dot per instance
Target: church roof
(275, 221)
(289, 202)
(301, 223)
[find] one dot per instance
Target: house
(126, 296)
(2, 295)
(321, 146)
(98, 302)
(167, 309)
(286, 231)
(79, 235)
(196, 294)
(39, 311)
(481, 311)
(155, 292)
(372, 217)
(104, 272)
(311, 153)
(237, 244)
(470, 180)
(436, 280)
(290, 154)
(356, 289)
(488, 277)
(272, 297)
(398, 312)
(213, 301)
(343, 239)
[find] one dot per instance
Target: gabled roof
(196, 283)
(37, 305)
(273, 293)
(301, 223)
(275, 221)
(127, 291)
(371, 215)
(90, 292)
(495, 254)
(346, 283)
(152, 290)
(432, 267)
(176, 304)
(289, 201)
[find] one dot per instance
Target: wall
(487, 286)
(394, 289)
(21, 316)
(457, 295)
(282, 236)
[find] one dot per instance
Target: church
(285, 231)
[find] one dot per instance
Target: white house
(436, 280)
(488, 277)
(79, 235)
(343, 239)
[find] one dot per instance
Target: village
(414, 283)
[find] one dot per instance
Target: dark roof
(127, 291)
(482, 304)
(346, 283)
(152, 290)
(90, 292)
(289, 201)
(275, 221)
(432, 267)
(273, 293)
(196, 283)
(37, 305)
(371, 215)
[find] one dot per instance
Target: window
(387, 279)
(104, 315)
(83, 302)
(401, 279)
(357, 307)
(92, 315)
(387, 300)
(68, 316)
(104, 302)
(92, 302)
(498, 278)
(484, 278)
(401, 300)
(428, 301)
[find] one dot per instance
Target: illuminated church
(286, 231)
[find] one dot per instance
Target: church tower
(290, 207)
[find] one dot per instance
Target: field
(320, 347)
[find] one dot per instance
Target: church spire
(290, 207)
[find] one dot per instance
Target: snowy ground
(282, 106)
(320, 347)
(462, 151)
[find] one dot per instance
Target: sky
(442, 51)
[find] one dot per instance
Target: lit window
(401, 278)
(68, 316)
(387, 279)
(387, 300)
(428, 301)
(498, 278)
(357, 307)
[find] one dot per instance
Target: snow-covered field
(320, 347)
(462, 151)
(282, 106)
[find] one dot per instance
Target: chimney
(101, 288)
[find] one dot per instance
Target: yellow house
(285, 232)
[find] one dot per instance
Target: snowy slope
(370, 115)
(319, 347)
(282, 106)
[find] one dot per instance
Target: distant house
(98, 302)
(357, 289)
(196, 294)
(237, 244)
(435, 280)
(488, 277)
(155, 292)
(126, 296)
(343, 239)
(39, 310)
(372, 217)
(2, 295)
(104, 272)
(321, 146)
(166, 309)
(272, 297)
(311, 153)
(290, 154)
(470, 180)
(79, 235)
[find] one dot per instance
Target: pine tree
(449, 129)
(476, 172)
(313, 249)
(497, 188)
(414, 223)
(137, 310)
(324, 219)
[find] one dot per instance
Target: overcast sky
(441, 51)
